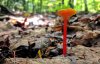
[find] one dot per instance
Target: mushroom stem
(65, 14)
(65, 37)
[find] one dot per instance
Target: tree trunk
(71, 3)
(41, 5)
(62, 2)
(25, 4)
(33, 5)
(86, 6)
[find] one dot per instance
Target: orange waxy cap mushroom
(65, 14)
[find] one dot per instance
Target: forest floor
(91, 56)
(85, 47)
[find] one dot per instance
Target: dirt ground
(79, 53)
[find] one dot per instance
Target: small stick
(14, 57)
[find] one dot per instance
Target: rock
(42, 42)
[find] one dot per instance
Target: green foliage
(49, 5)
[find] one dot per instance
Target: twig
(14, 57)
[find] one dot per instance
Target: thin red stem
(65, 37)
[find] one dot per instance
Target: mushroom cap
(66, 13)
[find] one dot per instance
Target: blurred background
(41, 6)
